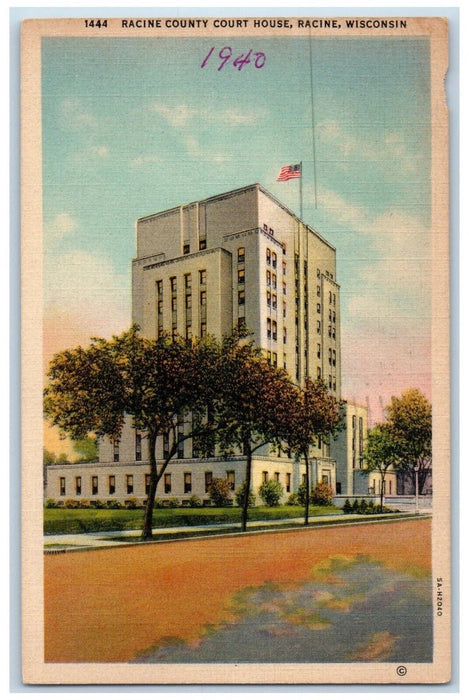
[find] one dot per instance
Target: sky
(135, 126)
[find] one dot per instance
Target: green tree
(381, 454)
(410, 420)
(48, 457)
(312, 413)
(251, 392)
(271, 492)
(157, 382)
(321, 495)
(239, 496)
(87, 448)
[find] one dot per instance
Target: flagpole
(313, 121)
(301, 189)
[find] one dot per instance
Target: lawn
(63, 520)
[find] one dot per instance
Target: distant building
(204, 267)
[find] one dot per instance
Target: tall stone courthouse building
(203, 268)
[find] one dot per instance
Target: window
(274, 359)
(78, 485)
(284, 268)
(189, 300)
(354, 422)
(333, 333)
(203, 298)
(330, 297)
(318, 372)
(284, 361)
(160, 308)
(330, 382)
(330, 331)
(276, 476)
(274, 330)
(174, 303)
(138, 447)
(129, 482)
(167, 483)
(267, 256)
(188, 280)
(173, 285)
(187, 482)
(230, 476)
(330, 356)
(333, 358)
(318, 273)
(274, 280)
(288, 482)
(147, 483)
(318, 326)
(116, 450)
(165, 446)
(318, 308)
(181, 450)
(319, 350)
(112, 484)
(284, 248)
(269, 299)
(269, 328)
(284, 306)
(186, 249)
(241, 255)
(188, 332)
(94, 485)
(241, 297)
(208, 480)
(274, 260)
(241, 275)
(284, 334)
(333, 299)
(268, 278)
(202, 277)
(202, 244)
(241, 321)
(265, 477)
(265, 227)
(325, 479)
(203, 330)
(333, 316)
(62, 485)
(159, 288)
(318, 290)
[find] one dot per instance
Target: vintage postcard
(235, 350)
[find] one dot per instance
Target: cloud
(181, 115)
(62, 225)
(101, 151)
(178, 116)
(73, 116)
(347, 146)
(144, 160)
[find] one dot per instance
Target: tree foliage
(311, 414)
(381, 453)
(219, 492)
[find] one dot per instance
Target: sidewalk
(92, 540)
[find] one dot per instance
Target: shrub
(158, 503)
(194, 501)
(321, 495)
(239, 496)
(219, 491)
(84, 503)
(271, 492)
(50, 503)
(131, 503)
(173, 502)
(116, 505)
(355, 506)
(362, 507)
(99, 505)
(72, 503)
(347, 507)
(293, 500)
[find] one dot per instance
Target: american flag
(288, 172)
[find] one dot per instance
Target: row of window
(186, 248)
(167, 483)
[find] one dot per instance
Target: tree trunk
(244, 516)
(307, 488)
(147, 530)
(381, 495)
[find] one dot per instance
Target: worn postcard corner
(235, 350)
